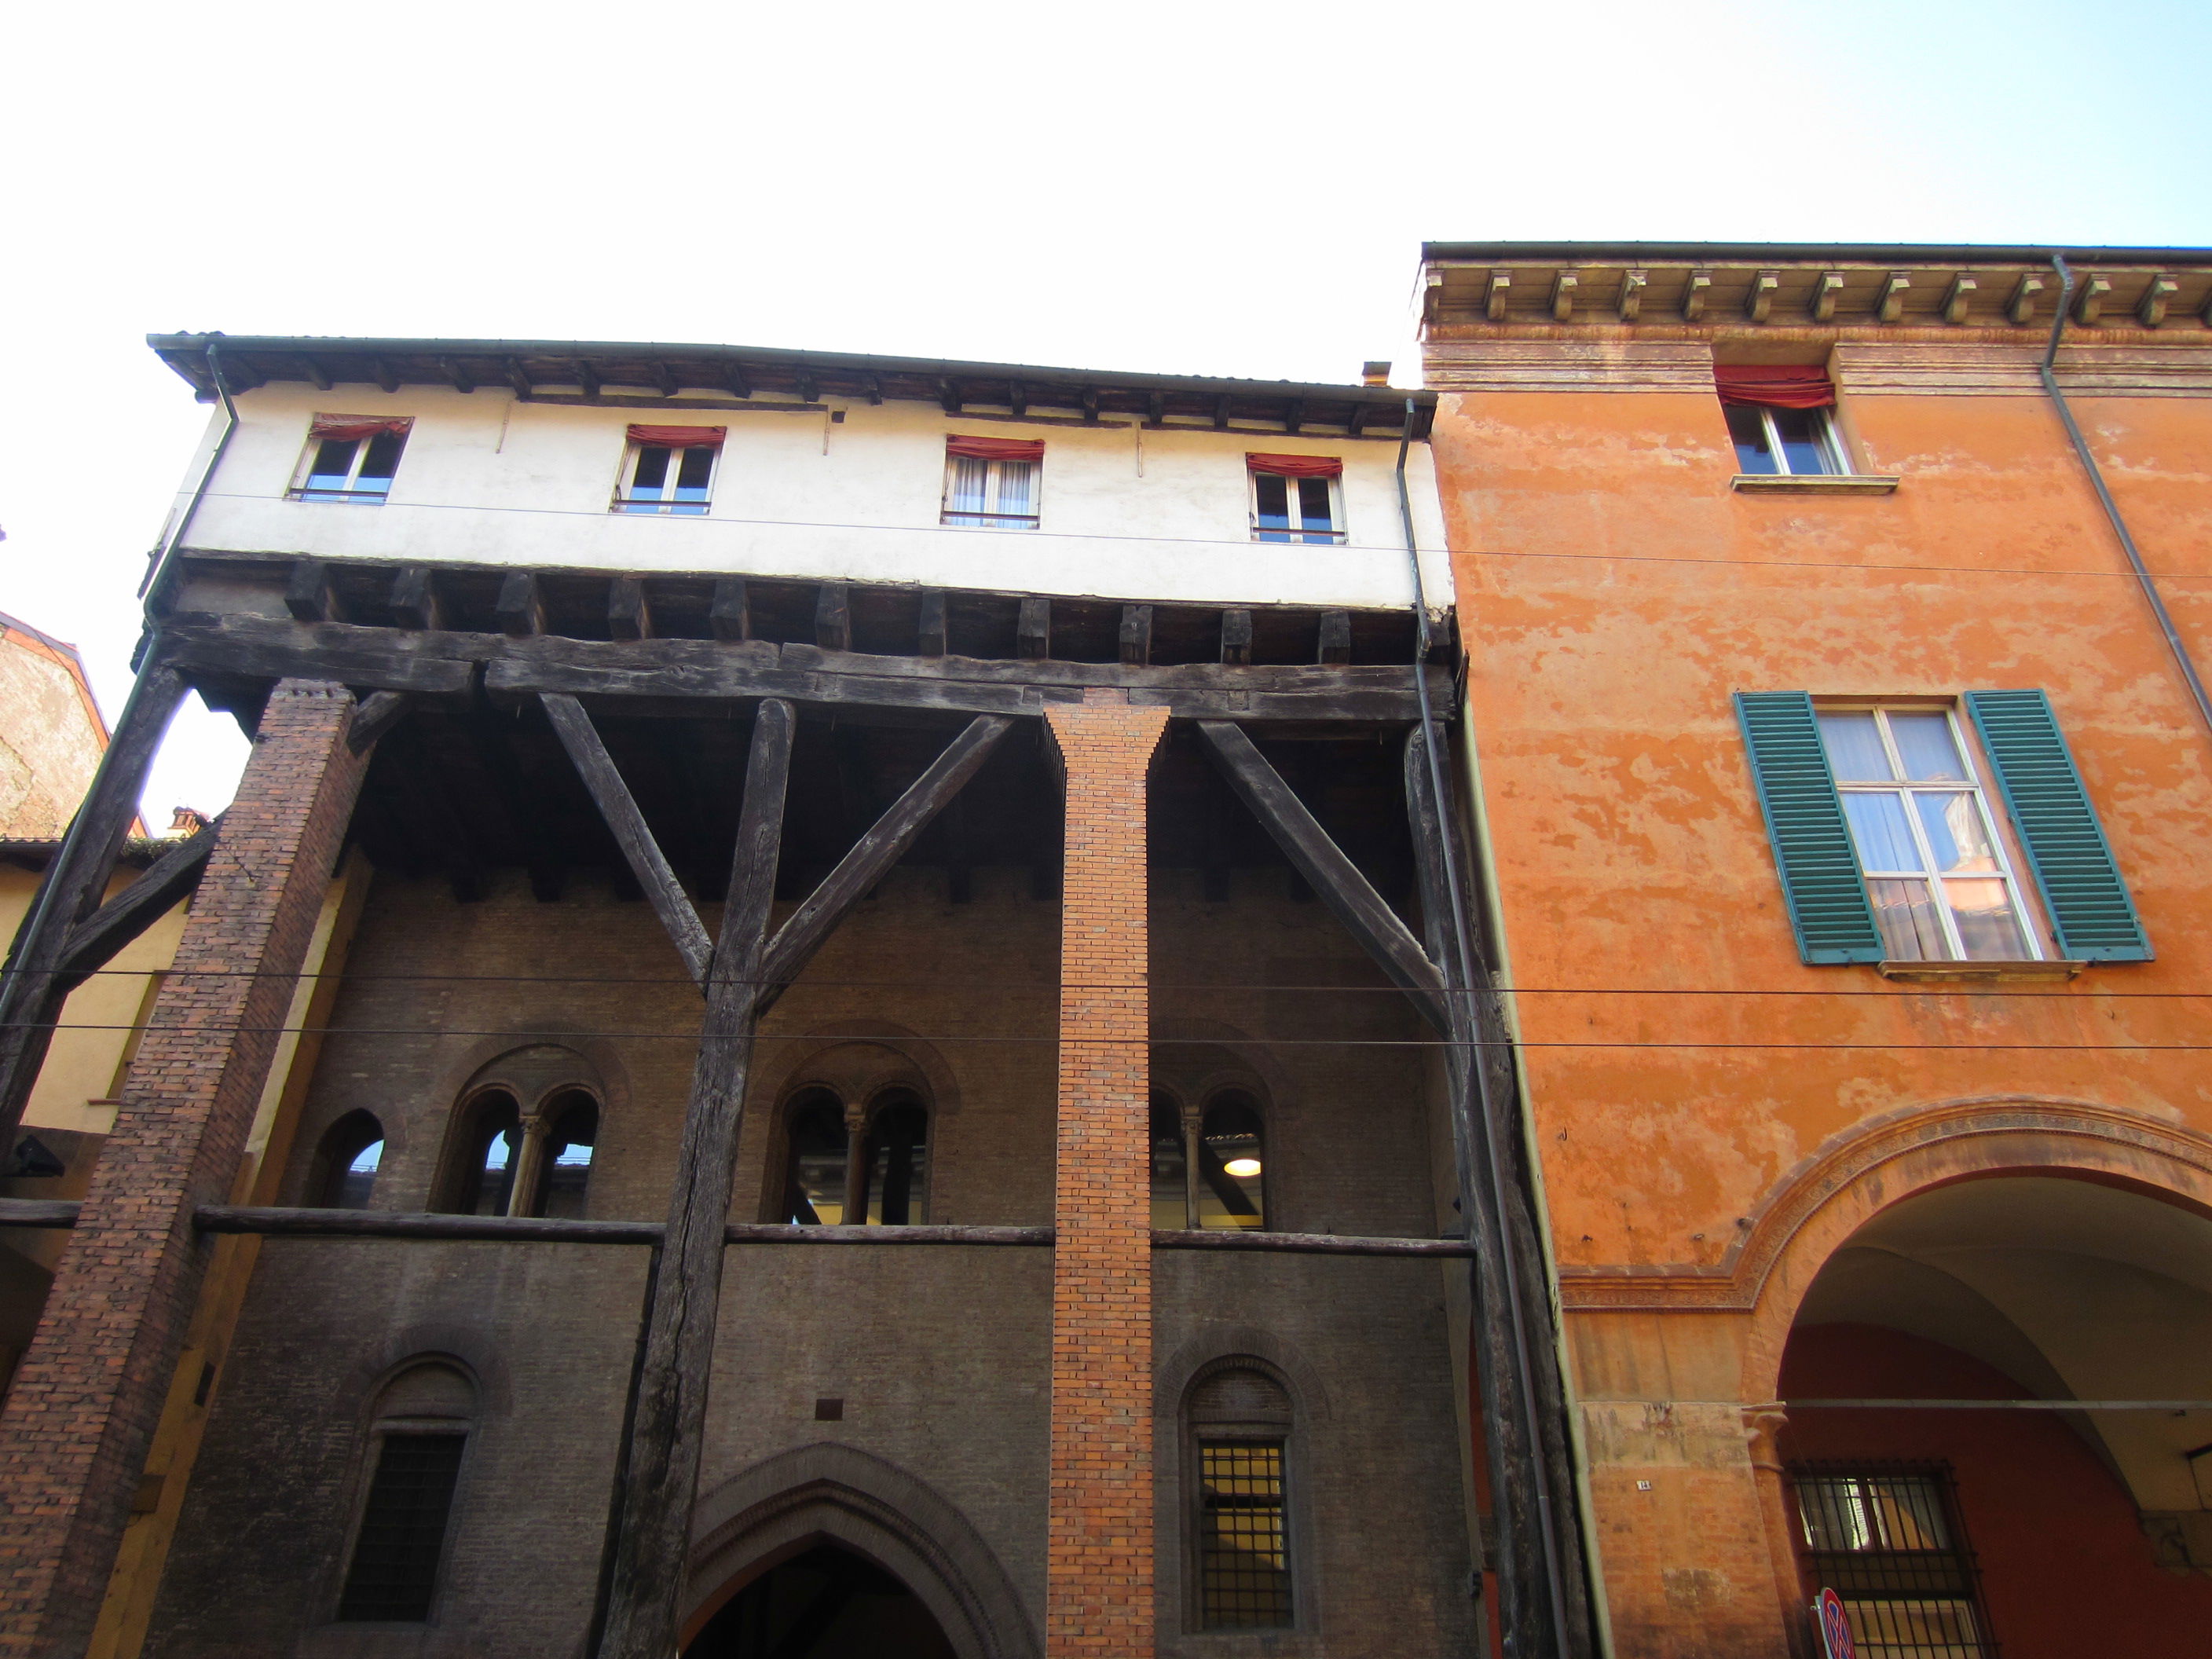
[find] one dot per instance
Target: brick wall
(84, 1405)
(1099, 1547)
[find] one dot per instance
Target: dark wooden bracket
(94, 942)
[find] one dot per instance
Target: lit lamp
(1242, 1168)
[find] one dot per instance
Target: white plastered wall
(1126, 513)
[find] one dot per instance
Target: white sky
(1191, 187)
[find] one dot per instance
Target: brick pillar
(1098, 1589)
(84, 1405)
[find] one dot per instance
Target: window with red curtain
(991, 484)
(671, 471)
(352, 457)
(1296, 467)
(1294, 498)
(1775, 386)
(995, 449)
(679, 437)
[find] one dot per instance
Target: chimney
(1375, 373)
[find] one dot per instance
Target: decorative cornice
(1734, 1283)
(1615, 365)
(1948, 368)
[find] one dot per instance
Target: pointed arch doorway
(826, 1603)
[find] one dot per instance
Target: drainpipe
(157, 561)
(2181, 657)
(1462, 973)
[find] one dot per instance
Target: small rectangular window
(394, 1573)
(1937, 873)
(351, 458)
(1244, 1563)
(991, 484)
(1796, 441)
(669, 471)
(1296, 498)
(1887, 1543)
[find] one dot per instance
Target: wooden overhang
(673, 378)
(1686, 289)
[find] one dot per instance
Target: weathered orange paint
(1684, 1071)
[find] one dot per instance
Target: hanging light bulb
(1242, 1168)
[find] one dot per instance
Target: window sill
(1982, 972)
(1815, 484)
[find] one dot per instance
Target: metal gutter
(1785, 252)
(158, 560)
(2047, 370)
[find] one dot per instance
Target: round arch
(837, 1494)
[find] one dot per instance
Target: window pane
(495, 1176)
(1244, 1565)
(1017, 487)
(1954, 825)
(965, 493)
(358, 1179)
(815, 1190)
(897, 1163)
(1905, 912)
(1749, 431)
(402, 1530)
(1169, 1208)
(332, 469)
(381, 461)
(651, 472)
(1854, 744)
(695, 468)
(1989, 926)
(1801, 432)
(1879, 832)
(1925, 745)
(1314, 506)
(1272, 496)
(1231, 1154)
(568, 1160)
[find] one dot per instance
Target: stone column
(83, 1408)
(1099, 1590)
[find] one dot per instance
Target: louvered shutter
(1821, 875)
(2088, 903)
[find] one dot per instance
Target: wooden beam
(520, 611)
(379, 713)
(631, 833)
(279, 1222)
(1221, 413)
(739, 382)
(317, 376)
(1237, 637)
(414, 601)
(588, 379)
(1136, 641)
(76, 880)
(1335, 637)
(932, 635)
(948, 396)
(664, 379)
(1033, 628)
(1351, 899)
(307, 595)
(1294, 415)
(803, 933)
(94, 942)
(731, 615)
(833, 617)
(518, 378)
(1018, 398)
(652, 1544)
(456, 375)
(1236, 1238)
(380, 372)
(628, 616)
(39, 1212)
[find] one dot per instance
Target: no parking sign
(1835, 1629)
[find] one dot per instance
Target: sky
(1189, 187)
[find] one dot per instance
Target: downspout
(2047, 368)
(157, 561)
(1461, 971)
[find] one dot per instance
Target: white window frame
(348, 497)
(626, 505)
(1300, 533)
(1827, 438)
(995, 474)
(2026, 917)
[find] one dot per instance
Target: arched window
(1170, 1163)
(815, 1160)
(345, 1167)
(489, 1145)
(1238, 1421)
(1232, 1154)
(572, 1127)
(421, 1431)
(898, 1163)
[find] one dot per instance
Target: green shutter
(1821, 875)
(2081, 888)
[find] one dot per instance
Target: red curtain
(343, 426)
(1776, 385)
(996, 449)
(1296, 467)
(679, 437)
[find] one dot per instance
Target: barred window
(1240, 1427)
(422, 1431)
(1886, 1540)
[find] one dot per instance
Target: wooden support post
(653, 1528)
(521, 612)
(1351, 899)
(75, 883)
(414, 599)
(379, 713)
(1336, 636)
(1523, 1412)
(1137, 636)
(307, 595)
(1033, 629)
(93, 942)
(731, 615)
(932, 635)
(833, 618)
(628, 616)
(1237, 637)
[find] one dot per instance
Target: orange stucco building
(1863, 1016)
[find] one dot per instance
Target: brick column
(1099, 1590)
(83, 1408)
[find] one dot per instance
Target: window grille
(1886, 1540)
(1244, 1566)
(402, 1530)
